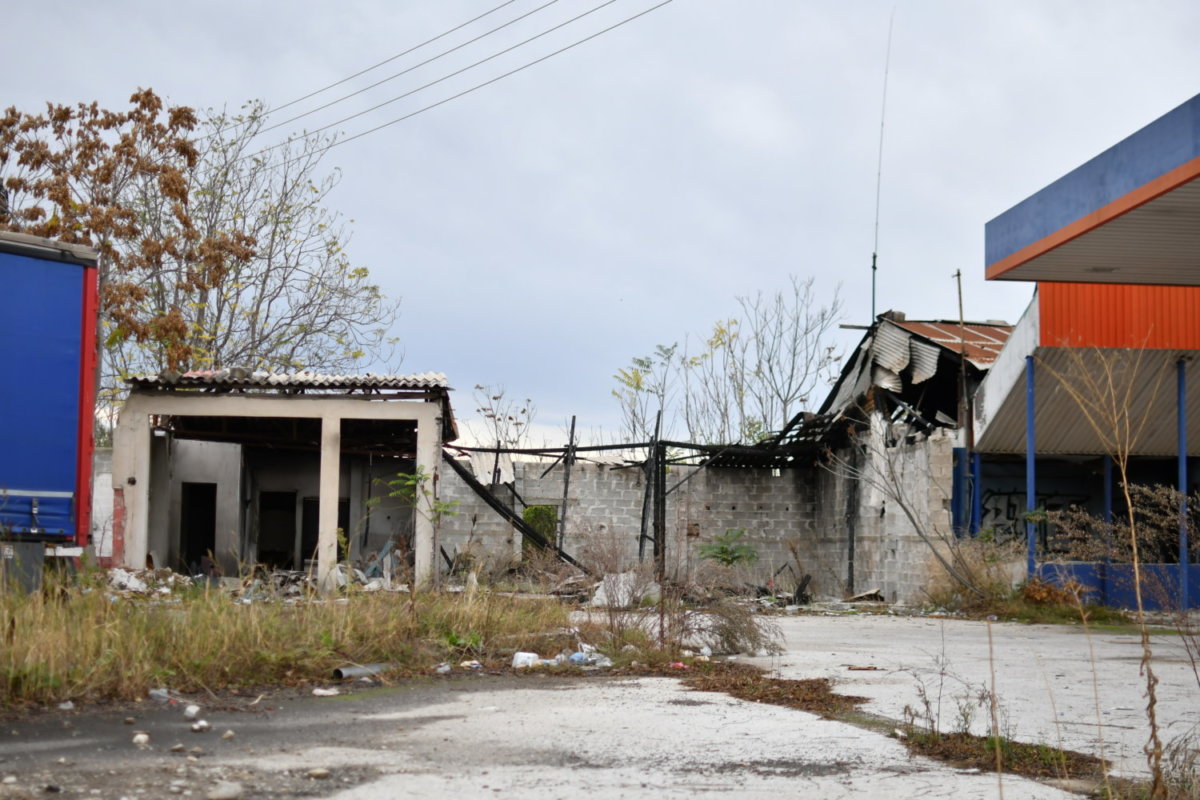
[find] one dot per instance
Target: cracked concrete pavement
(609, 737)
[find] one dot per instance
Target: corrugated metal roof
(242, 378)
(983, 340)
(1143, 382)
(1118, 315)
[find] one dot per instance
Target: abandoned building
(935, 431)
(1114, 246)
(828, 497)
(255, 468)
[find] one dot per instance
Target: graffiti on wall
(1003, 513)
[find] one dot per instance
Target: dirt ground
(606, 737)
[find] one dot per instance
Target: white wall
(200, 462)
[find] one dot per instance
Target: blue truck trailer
(48, 307)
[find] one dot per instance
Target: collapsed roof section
(916, 364)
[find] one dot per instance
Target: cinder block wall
(605, 505)
(819, 511)
(862, 518)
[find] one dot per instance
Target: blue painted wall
(1112, 584)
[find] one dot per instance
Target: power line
(403, 72)
(391, 58)
(457, 72)
(478, 86)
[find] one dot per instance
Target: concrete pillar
(425, 543)
(131, 474)
(327, 513)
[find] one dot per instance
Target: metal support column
(976, 493)
(1108, 489)
(1030, 477)
(1181, 416)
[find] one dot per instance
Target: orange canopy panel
(1119, 315)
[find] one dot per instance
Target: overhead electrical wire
(390, 59)
(309, 134)
(493, 80)
(405, 71)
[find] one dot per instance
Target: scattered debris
(320, 692)
(191, 712)
(318, 773)
(361, 671)
(178, 747)
(869, 596)
(66, 705)
(147, 582)
(522, 660)
(625, 590)
(200, 726)
(472, 664)
(141, 739)
(130, 720)
(442, 668)
(854, 668)
(225, 790)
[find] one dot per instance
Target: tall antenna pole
(887, 60)
(964, 400)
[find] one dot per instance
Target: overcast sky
(543, 230)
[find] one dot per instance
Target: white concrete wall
(201, 462)
(102, 503)
(134, 475)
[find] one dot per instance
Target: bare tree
(70, 175)
(644, 387)
(507, 421)
(1104, 384)
(298, 302)
(748, 377)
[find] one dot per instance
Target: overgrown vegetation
(729, 550)
(1083, 536)
(73, 642)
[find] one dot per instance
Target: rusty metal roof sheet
(235, 377)
(983, 340)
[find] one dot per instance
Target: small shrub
(1044, 593)
(728, 549)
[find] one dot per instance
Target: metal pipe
(360, 670)
(1030, 477)
(1181, 415)
(976, 493)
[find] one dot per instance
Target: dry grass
(82, 642)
